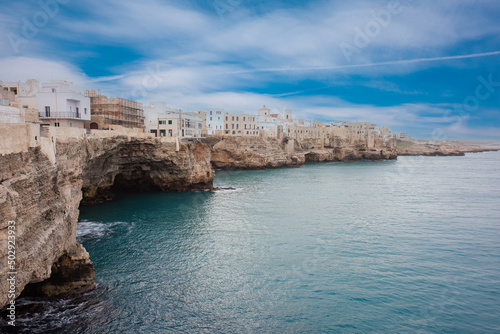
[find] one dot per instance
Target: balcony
(60, 115)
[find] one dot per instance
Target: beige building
(302, 129)
(241, 125)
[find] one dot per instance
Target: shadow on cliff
(145, 166)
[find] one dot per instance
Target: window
(243, 119)
(163, 133)
(237, 118)
(85, 111)
(77, 112)
(170, 132)
(210, 118)
(210, 114)
(239, 132)
(162, 121)
(56, 124)
(234, 132)
(25, 107)
(247, 132)
(170, 121)
(219, 118)
(232, 126)
(227, 118)
(233, 118)
(47, 111)
(53, 90)
(245, 126)
(237, 126)
(227, 126)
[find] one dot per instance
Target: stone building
(241, 125)
(21, 95)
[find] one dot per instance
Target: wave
(94, 230)
(227, 190)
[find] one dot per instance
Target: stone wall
(11, 115)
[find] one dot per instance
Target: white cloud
(24, 68)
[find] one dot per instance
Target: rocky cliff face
(341, 150)
(253, 153)
(259, 153)
(143, 165)
(43, 199)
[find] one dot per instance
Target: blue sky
(431, 68)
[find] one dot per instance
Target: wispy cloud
(385, 63)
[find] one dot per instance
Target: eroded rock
(43, 198)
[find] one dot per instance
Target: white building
(59, 104)
(179, 124)
(215, 122)
(154, 111)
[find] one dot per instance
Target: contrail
(393, 62)
(109, 78)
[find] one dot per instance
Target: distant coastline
(444, 148)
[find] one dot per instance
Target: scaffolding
(116, 111)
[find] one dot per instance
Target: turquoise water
(385, 247)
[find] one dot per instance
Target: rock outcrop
(343, 150)
(115, 164)
(261, 153)
(42, 195)
(253, 153)
(443, 148)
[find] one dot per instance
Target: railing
(60, 114)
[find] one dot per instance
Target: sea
(406, 246)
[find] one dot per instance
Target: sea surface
(407, 246)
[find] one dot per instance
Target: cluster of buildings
(60, 104)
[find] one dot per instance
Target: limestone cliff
(253, 153)
(42, 195)
(115, 164)
(337, 149)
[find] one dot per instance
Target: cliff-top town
(61, 104)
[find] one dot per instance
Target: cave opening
(128, 180)
(134, 181)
